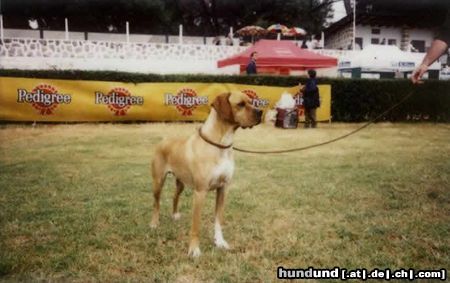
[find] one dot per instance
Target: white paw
(195, 252)
(221, 243)
(176, 216)
(154, 224)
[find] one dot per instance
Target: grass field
(75, 204)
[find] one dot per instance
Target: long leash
(332, 140)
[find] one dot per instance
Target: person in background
(216, 40)
(251, 66)
(350, 45)
(439, 46)
(229, 40)
(304, 46)
(411, 48)
(311, 99)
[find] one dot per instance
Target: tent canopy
(384, 58)
(278, 54)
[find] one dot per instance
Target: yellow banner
(23, 99)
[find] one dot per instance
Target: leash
(332, 140)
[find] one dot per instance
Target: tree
(216, 16)
(199, 17)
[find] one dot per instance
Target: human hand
(416, 76)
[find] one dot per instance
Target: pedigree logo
(186, 101)
(298, 100)
(44, 98)
(256, 101)
(299, 103)
(119, 100)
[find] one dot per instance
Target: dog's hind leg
(180, 187)
(159, 175)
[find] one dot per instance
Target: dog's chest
(222, 172)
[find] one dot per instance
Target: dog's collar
(221, 146)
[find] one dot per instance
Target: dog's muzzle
(258, 117)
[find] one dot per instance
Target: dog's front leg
(199, 198)
(179, 190)
(220, 204)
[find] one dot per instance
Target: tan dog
(204, 161)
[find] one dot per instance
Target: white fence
(32, 53)
(111, 37)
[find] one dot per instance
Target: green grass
(76, 202)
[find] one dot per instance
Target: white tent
(384, 58)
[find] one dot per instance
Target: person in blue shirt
(251, 67)
(311, 99)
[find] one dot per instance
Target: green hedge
(362, 100)
(353, 100)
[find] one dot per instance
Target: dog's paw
(176, 216)
(194, 252)
(154, 224)
(222, 244)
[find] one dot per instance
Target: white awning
(384, 58)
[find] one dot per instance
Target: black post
(86, 35)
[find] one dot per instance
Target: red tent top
(280, 54)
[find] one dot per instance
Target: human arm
(438, 47)
(301, 88)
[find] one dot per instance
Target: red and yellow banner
(23, 99)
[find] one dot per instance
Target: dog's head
(236, 108)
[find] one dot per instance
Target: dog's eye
(241, 104)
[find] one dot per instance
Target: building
(410, 25)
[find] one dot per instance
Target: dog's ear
(223, 107)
